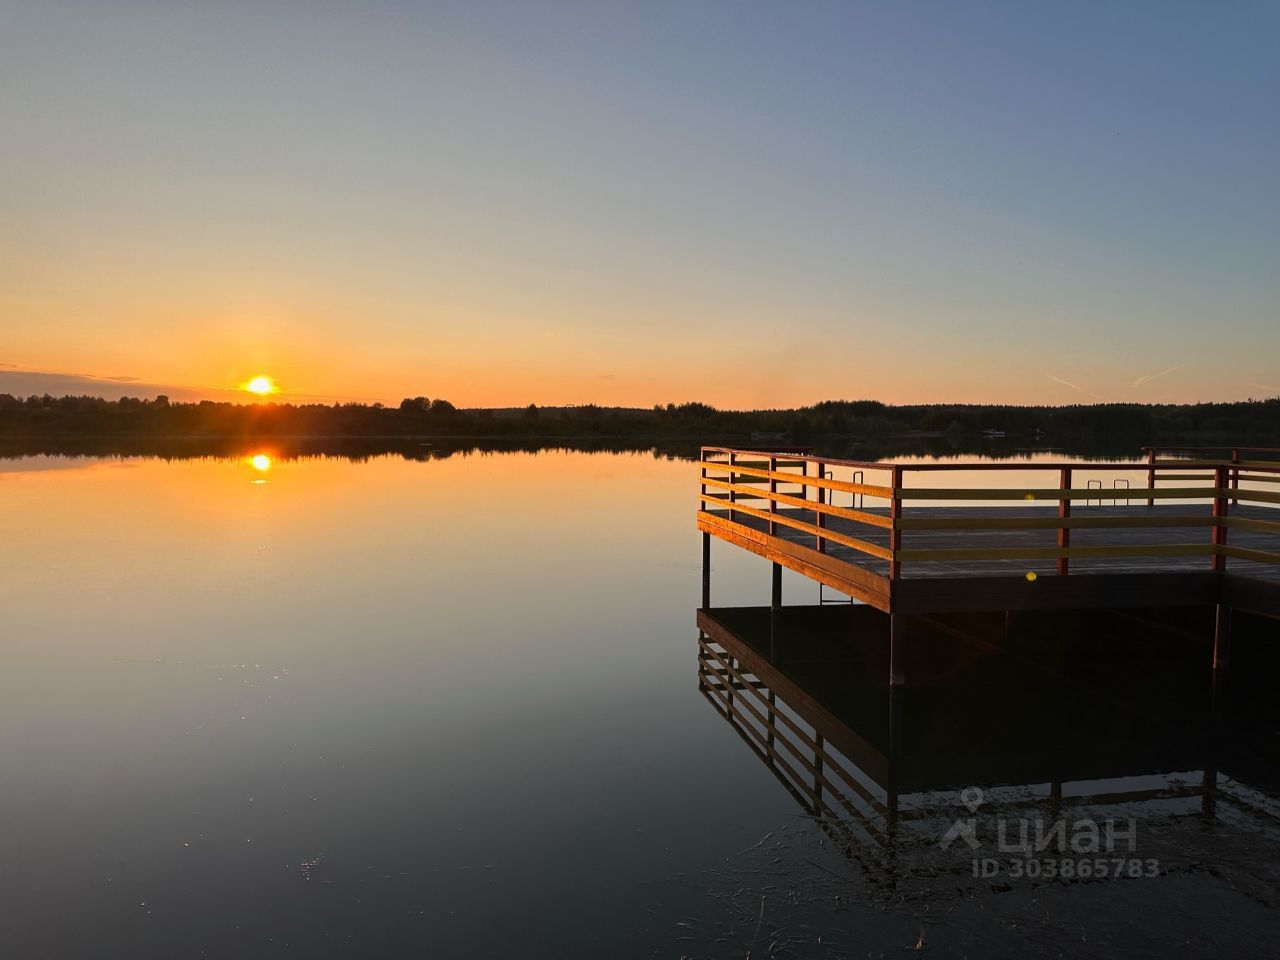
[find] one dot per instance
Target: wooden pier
(918, 537)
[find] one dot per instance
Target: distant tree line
(48, 418)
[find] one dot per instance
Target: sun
(260, 462)
(261, 385)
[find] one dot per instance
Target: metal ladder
(855, 503)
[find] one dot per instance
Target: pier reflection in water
(1089, 735)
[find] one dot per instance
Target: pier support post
(774, 648)
(706, 571)
(775, 608)
(1209, 782)
(898, 650)
(1222, 639)
(895, 755)
(1208, 787)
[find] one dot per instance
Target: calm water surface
(321, 707)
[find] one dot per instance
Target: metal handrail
(1115, 485)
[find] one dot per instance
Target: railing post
(895, 534)
(775, 596)
(706, 540)
(821, 519)
(1235, 474)
(1220, 516)
(733, 482)
(702, 479)
(772, 726)
(773, 501)
(1151, 474)
(1064, 513)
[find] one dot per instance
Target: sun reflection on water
(260, 462)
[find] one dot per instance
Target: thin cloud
(24, 383)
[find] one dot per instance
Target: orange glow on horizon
(261, 386)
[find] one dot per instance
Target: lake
(256, 706)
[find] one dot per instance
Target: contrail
(1077, 387)
(1147, 379)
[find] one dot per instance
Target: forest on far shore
(47, 419)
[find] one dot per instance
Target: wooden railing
(811, 770)
(771, 484)
(856, 789)
(1198, 455)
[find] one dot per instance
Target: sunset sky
(632, 203)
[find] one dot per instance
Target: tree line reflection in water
(361, 449)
